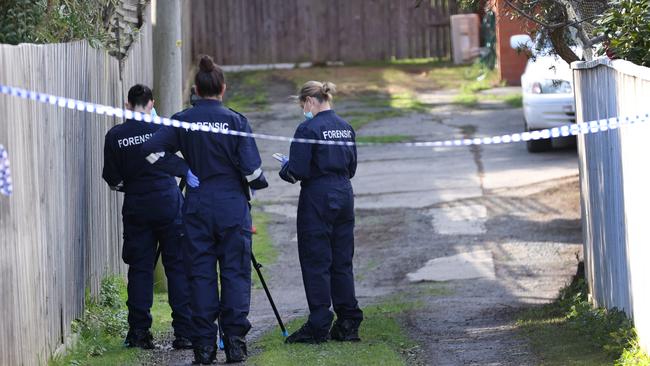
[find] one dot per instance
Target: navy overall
(216, 215)
(325, 217)
(151, 215)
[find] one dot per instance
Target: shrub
(105, 317)
(52, 21)
(627, 27)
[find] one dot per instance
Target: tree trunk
(561, 47)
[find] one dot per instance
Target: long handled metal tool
(258, 268)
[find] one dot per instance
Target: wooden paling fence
(274, 31)
(614, 188)
(60, 231)
(187, 55)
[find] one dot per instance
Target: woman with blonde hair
(325, 217)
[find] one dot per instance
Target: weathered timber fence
(186, 51)
(60, 232)
(615, 195)
(271, 31)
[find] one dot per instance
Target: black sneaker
(345, 330)
(182, 343)
(141, 338)
(204, 355)
(306, 335)
(235, 349)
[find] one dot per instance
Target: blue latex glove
(192, 180)
(285, 174)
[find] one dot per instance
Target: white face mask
(308, 114)
(153, 113)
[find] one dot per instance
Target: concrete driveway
(497, 227)
(518, 210)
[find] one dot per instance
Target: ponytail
(323, 92)
(209, 80)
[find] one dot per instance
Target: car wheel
(537, 146)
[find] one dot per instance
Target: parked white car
(547, 89)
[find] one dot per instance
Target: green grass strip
(263, 248)
(386, 139)
(247, 92)
(478, 78)
(466, 100)
(360, 119)
(103, 325)
(101, 330)
(384, 342)
(570, 331)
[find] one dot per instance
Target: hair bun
(329, 88)
(206, 64)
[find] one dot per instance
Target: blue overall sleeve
(352, 168)
(172, 164)
(111, 171)
(249, 161)
(161, 149)
(299, 164)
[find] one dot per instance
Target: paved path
(516, 211)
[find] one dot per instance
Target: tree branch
(598, 39)
(533, 19)
(582, 21)
(557, 31)
(582, 34)
(560, 46)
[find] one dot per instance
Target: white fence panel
(614, 175)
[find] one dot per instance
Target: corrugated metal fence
(272, 31)
(614, 188)
(60, 232)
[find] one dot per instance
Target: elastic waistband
(327, 180)
(218, 188)
(143, 187)
(222, 181)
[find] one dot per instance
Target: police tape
(595, 126)
(6, 187)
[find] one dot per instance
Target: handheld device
(280, 157)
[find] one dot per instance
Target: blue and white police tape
(6, 187)
(563, 131)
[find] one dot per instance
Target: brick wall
(510, 64)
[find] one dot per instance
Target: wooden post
(168, 80)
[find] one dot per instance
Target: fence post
(613, 183)
(168, 75)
